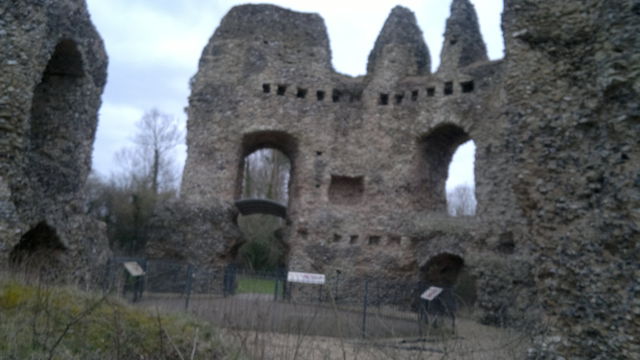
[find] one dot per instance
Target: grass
(253, 285)
(62, 323)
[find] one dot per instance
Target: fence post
(335, 292)
(364, 308)
(188, 286)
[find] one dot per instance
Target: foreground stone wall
(52, 73)
(572, 85)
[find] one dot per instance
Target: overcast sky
(154, 47)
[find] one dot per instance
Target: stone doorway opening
(39, 252)
(267, 175)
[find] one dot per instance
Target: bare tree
(266, 175)
(157, 136)
(461, 201)
(146, 176)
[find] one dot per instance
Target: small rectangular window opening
(337, 238)
(353, 239)
(281, 89)
(448, 88)
(431, 92)
(374, 240)
(414, 95)
(266, 88)
(394, 240)
(302, 93)
(335, 95)
(384, 99)
(399, 98)
(320, 95)
(467, 86)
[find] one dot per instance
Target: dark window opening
(345, 190)
(374, 240)
(318, 153)
(467, 86)
(384, 99)
(302, 93)
(448, 88)
(414, 95)
(320, 95)
(337, 238)
(336, 95)
(431, 92)
(266, 88)
(353, 239)
(282, 89)
(399, 98)
(394, 240)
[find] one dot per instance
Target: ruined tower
(555, 124)
(52, 73)
(369, 154)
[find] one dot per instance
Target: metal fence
(246, 300)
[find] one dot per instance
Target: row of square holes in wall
(371, 239)
(301, 93)
(448, 89)
(337, 95)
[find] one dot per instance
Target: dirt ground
(471, 341)
(264, 329)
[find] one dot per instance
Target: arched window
(437, 166)
(460, 185)
(57, 130)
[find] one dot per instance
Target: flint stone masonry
(554, 244)
(52, 73)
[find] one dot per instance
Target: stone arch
(58, 127)
(271, 139)
(39, 251)
(435, 151)
(442, 270)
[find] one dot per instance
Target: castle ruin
(52, 73)
(555, 124)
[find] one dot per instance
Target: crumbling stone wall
(572, 106)
(52, 73)
(555, 125)
(369, 154)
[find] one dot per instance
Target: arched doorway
(39, 252)
(264, 190)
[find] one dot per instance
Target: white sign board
(133, 268)
(305, 278)
(431, 293)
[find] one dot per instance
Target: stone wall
(52, 73)
(555, 126)
(573, 110)
(369, 154)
